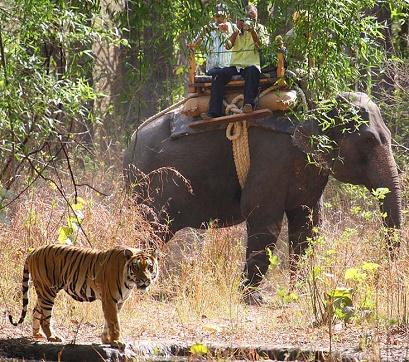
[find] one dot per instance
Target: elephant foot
(253, 298)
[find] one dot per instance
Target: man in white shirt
(245, 41)
(214, 36)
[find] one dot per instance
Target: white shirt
(216, 53)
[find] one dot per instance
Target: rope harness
(237, 133)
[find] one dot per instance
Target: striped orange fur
(86, 275)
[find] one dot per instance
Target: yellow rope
(237, 133)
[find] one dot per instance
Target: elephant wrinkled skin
(280, 180)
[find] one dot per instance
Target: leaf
(77, 206)
(370, 267)
(64, 234)
(198, 349)
(273, 260)
(355, 274)
(380, 193)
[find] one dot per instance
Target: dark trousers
(222, 76)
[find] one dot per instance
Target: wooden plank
(234, 83)
(232, 118)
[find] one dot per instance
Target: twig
(61, 191)
(70, 170)
(3, 57)
(31, 183)
(92, 188)
(398, 145)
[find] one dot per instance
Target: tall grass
(198, 291)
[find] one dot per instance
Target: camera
(212, 26)
(248, 24)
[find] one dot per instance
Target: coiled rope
(237, 133)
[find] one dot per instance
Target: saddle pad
(279, 122)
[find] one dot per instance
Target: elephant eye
(371, 139)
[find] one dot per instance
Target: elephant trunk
(385, 174)
(392, 205)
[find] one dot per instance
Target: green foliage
(46, 79)
(287, 296)
(68, 234)
(339, 301)
(273, 260)
(340, 41)
(198, 350)
(380, 193)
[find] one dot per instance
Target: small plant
(287, 296)
(339, 304)
(198, 350)
(68, 234)
(273, 260)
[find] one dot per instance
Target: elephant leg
(258, 240)
(301, 221)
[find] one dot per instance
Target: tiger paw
(39, 337)
(54, 339)
(105, 338)
(118, 344)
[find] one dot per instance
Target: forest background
(78, 77)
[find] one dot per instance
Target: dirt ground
(251, 327)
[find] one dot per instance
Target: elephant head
(355, 149)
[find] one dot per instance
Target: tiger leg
(105, 334)
(37, 315)
(111, 333)
(45, 305)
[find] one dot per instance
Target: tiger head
(143, 269)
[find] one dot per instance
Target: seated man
(215, 35)
(248, 36)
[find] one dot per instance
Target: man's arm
(255, 37)
(232, 40)
(260, 37)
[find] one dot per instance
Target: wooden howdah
(274, 93)
(232, 118)
(278, 100)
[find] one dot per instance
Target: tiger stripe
(86, 275)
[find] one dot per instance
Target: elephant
(281, 179)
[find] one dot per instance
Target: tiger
(86, 275)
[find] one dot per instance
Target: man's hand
(240, 24)
(223, 27)
(248, 25)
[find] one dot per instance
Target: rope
(233, 106)
(237, 133)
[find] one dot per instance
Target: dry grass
(198, 299)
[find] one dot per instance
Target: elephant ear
(310, 139)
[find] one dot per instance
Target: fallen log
(24, 349)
